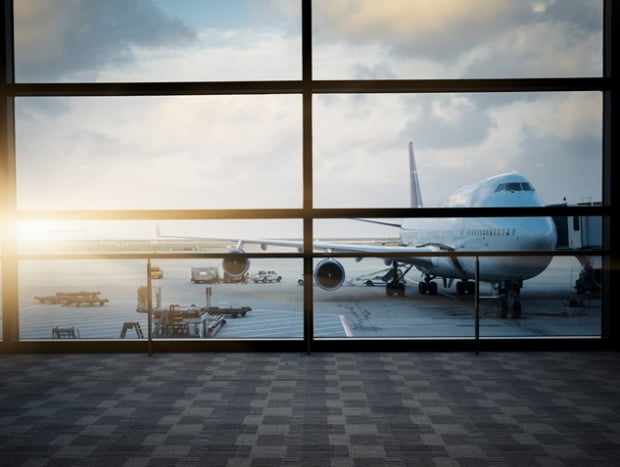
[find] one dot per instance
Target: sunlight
(47, 230)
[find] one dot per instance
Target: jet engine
(236, 263)
(329, 274)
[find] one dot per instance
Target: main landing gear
(429, 286)
(509, 292)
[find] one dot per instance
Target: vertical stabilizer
(416, 197)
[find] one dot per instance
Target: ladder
(132, 325)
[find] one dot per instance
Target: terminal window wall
(213, 121)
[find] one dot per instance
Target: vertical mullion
(610, 325)
(306, 57)
(7, 181)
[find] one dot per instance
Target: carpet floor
(325, 409)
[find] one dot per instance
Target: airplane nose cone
(537, 233)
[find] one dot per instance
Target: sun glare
(44, 230)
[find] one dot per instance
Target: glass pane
(214, 290)
(417, 285)
(367, 306)
(564, 300)
(196, 299)
(160, 40)
(177, 152)
(361, 146)
(418, 39)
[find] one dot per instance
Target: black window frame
(307, 87)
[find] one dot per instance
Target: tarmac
(551, 306)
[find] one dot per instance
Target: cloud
(474, 38)
(65, 40)
(449, 120)
(176, 152)
(541, 49)
(434, 28)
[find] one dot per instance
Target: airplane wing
(298, 244)
(331, 247)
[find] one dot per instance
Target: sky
(180, 152)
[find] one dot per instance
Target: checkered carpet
(333, 409)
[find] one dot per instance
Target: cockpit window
(514, 186)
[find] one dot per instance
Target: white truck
(265, 276)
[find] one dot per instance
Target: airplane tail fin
(416, 197)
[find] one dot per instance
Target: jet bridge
(580, 233)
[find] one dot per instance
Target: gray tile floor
(325, 409)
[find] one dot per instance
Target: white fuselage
(491, 234)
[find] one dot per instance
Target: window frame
(307, 87)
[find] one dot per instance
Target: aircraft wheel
(422, 287)
(471, 288)
(516, 311)
(432, 288)
(460, 288)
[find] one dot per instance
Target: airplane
(451, 235)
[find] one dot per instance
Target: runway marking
(345, 325)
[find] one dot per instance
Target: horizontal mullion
(462, 85)
(153, 88)
(462, 253)
(314, 254)
(317, 86)
(166, 214)
(462, 212)
(323, 213)
(150, 255)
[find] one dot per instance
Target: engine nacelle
(236, 263)
(329, 274)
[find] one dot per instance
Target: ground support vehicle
(157, 272)
(185, 321)
(589, 280)
(178, 321)
(265, 276)
(74, 298)
(234, 312)
(205, 275)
